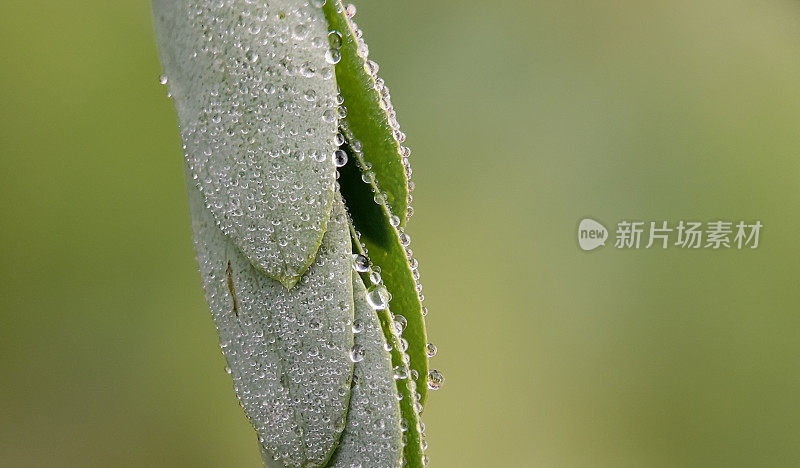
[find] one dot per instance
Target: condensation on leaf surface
(370, 114)
(414, 443)
(372, 437)
(256, 101)
(389, 249)
(287, 350)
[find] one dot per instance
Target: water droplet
(358, 326)
(371, 67)
(435, 379)
(300, 32)
(329, 115)
(333, 56)
(403, 345)
(338, 139)
(360, 263)
(162, 79)
(377, 297)
(363, 50)
(251, 56)
(400, 323)
(357, 353)
(308, 70)
(335, 39)
(375, 277)
(339, 158)
(430, 350)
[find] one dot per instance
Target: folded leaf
(370, 115)
(288, 351)
(372, 436)
(410, 407)
(372, 219)
(256, 102)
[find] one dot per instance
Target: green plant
(299, 192)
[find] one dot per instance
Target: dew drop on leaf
(435, 379)
(333, 56)
(339, 158)
(357, 353)
(360, 263)
(400, 323)
(377, 297)
(431, 350)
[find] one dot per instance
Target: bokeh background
(523, 116)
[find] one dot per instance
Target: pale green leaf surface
(410, 407)
(256, 102)
(372, 220)
(370, 115)
(287, 350)
(372, 436)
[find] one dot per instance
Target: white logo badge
(591, 234)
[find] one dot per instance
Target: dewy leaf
(384, 243)
(370, 114)
(372, 436)
(256, 101)
(410, 407)
(288, 351)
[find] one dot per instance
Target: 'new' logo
(591, 234)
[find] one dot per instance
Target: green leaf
(288, 351)
(256, 102)
(372, 436)
(410, 407)
(372, 219)
(370, 115)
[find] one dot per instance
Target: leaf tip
(289, 282)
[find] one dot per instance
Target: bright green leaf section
(382, 240)
(410, 407)
(372, 436)
(256, 102)
(288, 351)
(369, 111)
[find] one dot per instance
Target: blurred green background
(523, 117)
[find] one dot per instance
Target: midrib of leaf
(410, 406)
(366, 117)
